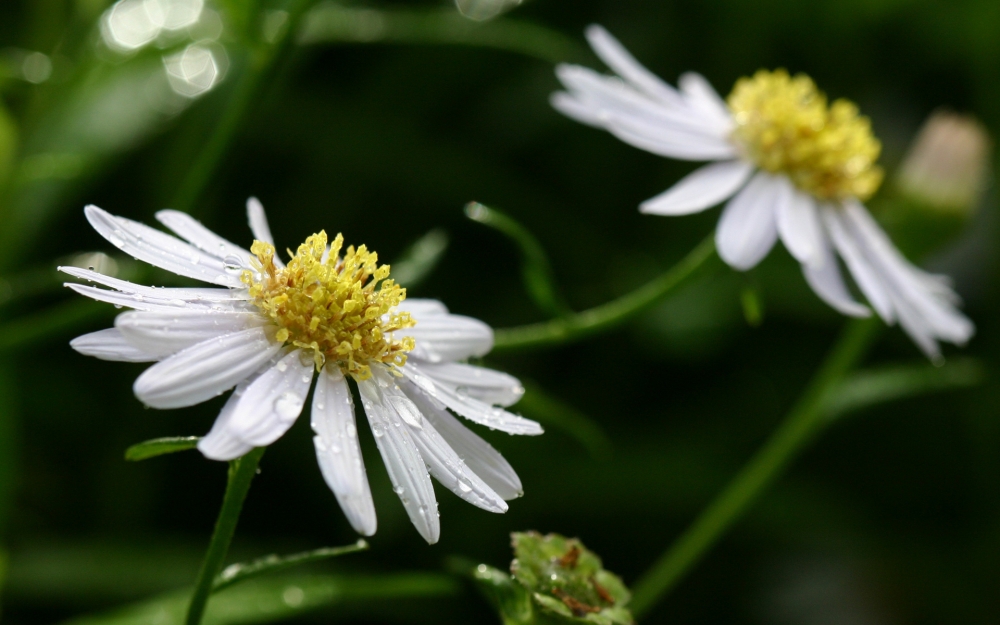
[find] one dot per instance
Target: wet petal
(205, 370)
(338, 451)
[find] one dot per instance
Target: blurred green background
(381, 120)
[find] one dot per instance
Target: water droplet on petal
(233, 265)
(288, 405)
(463, 487)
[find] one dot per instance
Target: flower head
(329, 306)
(785, 127)
(787, 164)
(327, 315)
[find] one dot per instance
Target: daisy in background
(787, 165)
(268, 329)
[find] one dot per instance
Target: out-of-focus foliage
(382, 119)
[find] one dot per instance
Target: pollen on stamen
(331, 308)
(785, 126)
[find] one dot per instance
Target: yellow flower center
(332, 307)
(786, 127)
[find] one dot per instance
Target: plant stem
(611, 314)
(802, 421)
(241, 472)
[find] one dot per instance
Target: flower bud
(555, 579)
(947, 165)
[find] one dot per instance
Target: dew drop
(233, 265)
(288, 405)
(399, 490)
(352, 432)
(116, 239)
(282, 366)
(463, 487)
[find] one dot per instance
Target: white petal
(273, 402)
(205, 370)
(163, 334)
(615, 56)
(469, 407)
(449, 337)
(799, 226)
(487, 385)
(485, 461)
(258, 221)
(865, 275)
(702, 97)
(221, 443)
(747, 230)
(669, 142)
(192, 230)
(110, 345)
(824, 276)
(159, 304)
(918, 289)
(205, 297)
(420, 308)
(605, 96)
(403, 461)
(449, 469)
(701, 189)
(577, 110)
(442, 461)
(159, 249)
(338, 451)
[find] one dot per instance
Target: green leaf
(236, 573)
(553, 412)
(161, 446)
(866, 388)
(420, 259)
(535, 268)
(279, 598)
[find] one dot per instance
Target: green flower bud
(555, 580)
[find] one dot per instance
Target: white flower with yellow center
(790, 166)
(328, 314)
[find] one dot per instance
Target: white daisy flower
(790, 166)
(328, 314)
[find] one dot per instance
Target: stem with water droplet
(802, 422)
(241, 472)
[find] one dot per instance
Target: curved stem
(757, 474)
(578, 325)
(241, 472)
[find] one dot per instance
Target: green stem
(241, 472)
(578, 325)
(757, 474)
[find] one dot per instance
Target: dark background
(890, 517)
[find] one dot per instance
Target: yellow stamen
(786, 127)
(332, 308)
